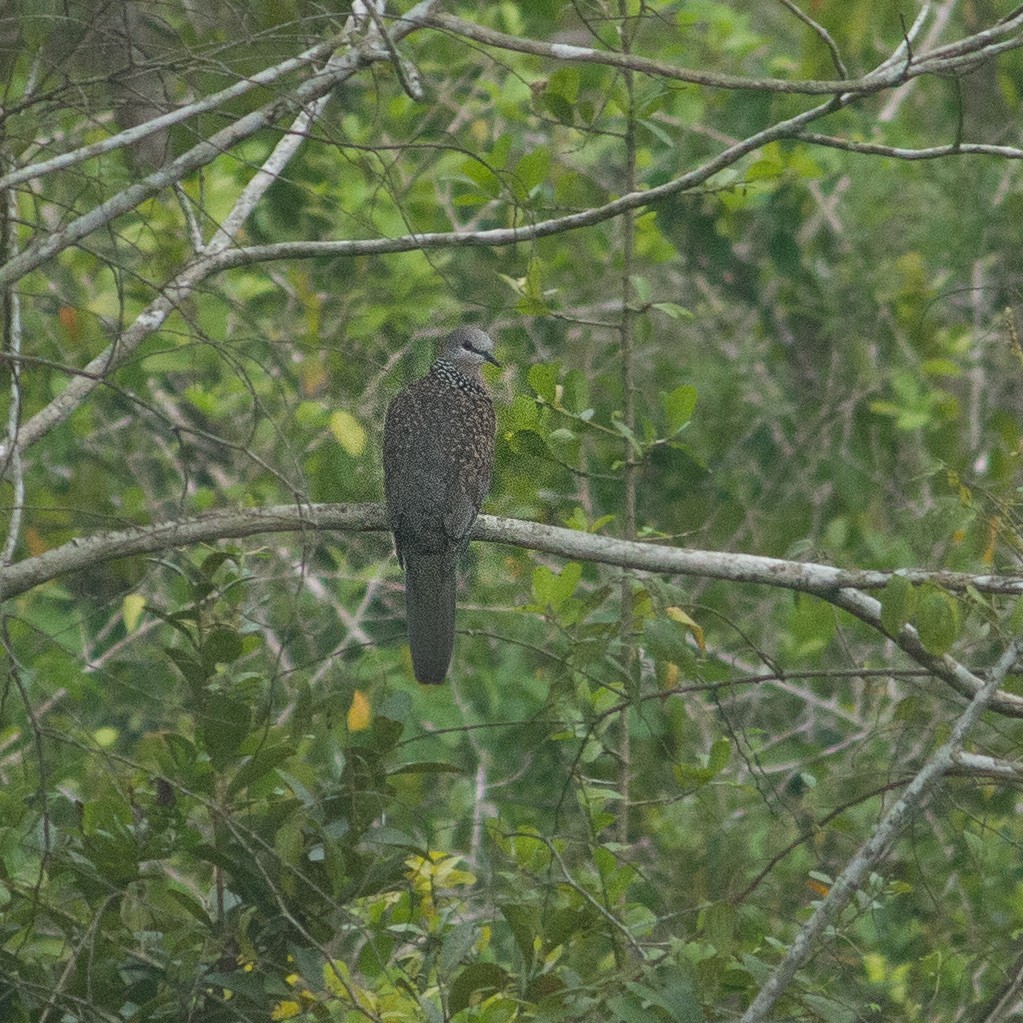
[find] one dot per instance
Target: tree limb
(890, 73)
(314, 88)
(900, 153)
(837, 586)
(130, 136)
(880, 842)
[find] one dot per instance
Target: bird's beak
(491, 359)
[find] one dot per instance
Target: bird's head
(468, 348)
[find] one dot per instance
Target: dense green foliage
(225, 798)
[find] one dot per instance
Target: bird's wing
(470, 484)
(399, 435)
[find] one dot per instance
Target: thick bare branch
(805, 576)
(319, 85)
(839, 587)
(132, 135)
(874, 850)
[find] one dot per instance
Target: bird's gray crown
(467, 348)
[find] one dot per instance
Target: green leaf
(559, 107)
(676, 614)
(105, 814)
(898, 602)
(940, 367)
(481, 175)
(532, 302)
(259, 765)
(811, 625)
(132, 607)
(222, 646)
(524, 928)
(553, 589)
(938, 619)
(678, 406)
(376, 954)
(673, 310)
(543, 378)
(575, 391)
(191, 668)
(249, 985)
(564, 83)
(719, 921)
(1015, 619)
(720, 754)
(830, 1009)
(668, 642)
(476, 977)
(348, 432)
(673, 993)
(223, 723)
(764, 170)
(634, 443)
(190, 904)
(532, 169)
(642, 288)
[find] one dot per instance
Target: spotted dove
(438, 458)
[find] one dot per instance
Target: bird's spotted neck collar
(452, 372)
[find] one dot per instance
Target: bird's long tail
(430, 581)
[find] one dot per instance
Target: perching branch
(235, 523)
(837, 586)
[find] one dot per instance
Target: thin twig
(893, 71)
(822, 33)
(900, 153)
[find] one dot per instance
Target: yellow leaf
(34, 541)
(440, 871)
(359, 713)
(671, 675)
(131, 610)
(347, 432)
(676, 614)
(313, 377)
(991, 547)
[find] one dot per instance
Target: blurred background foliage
(224, 798)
